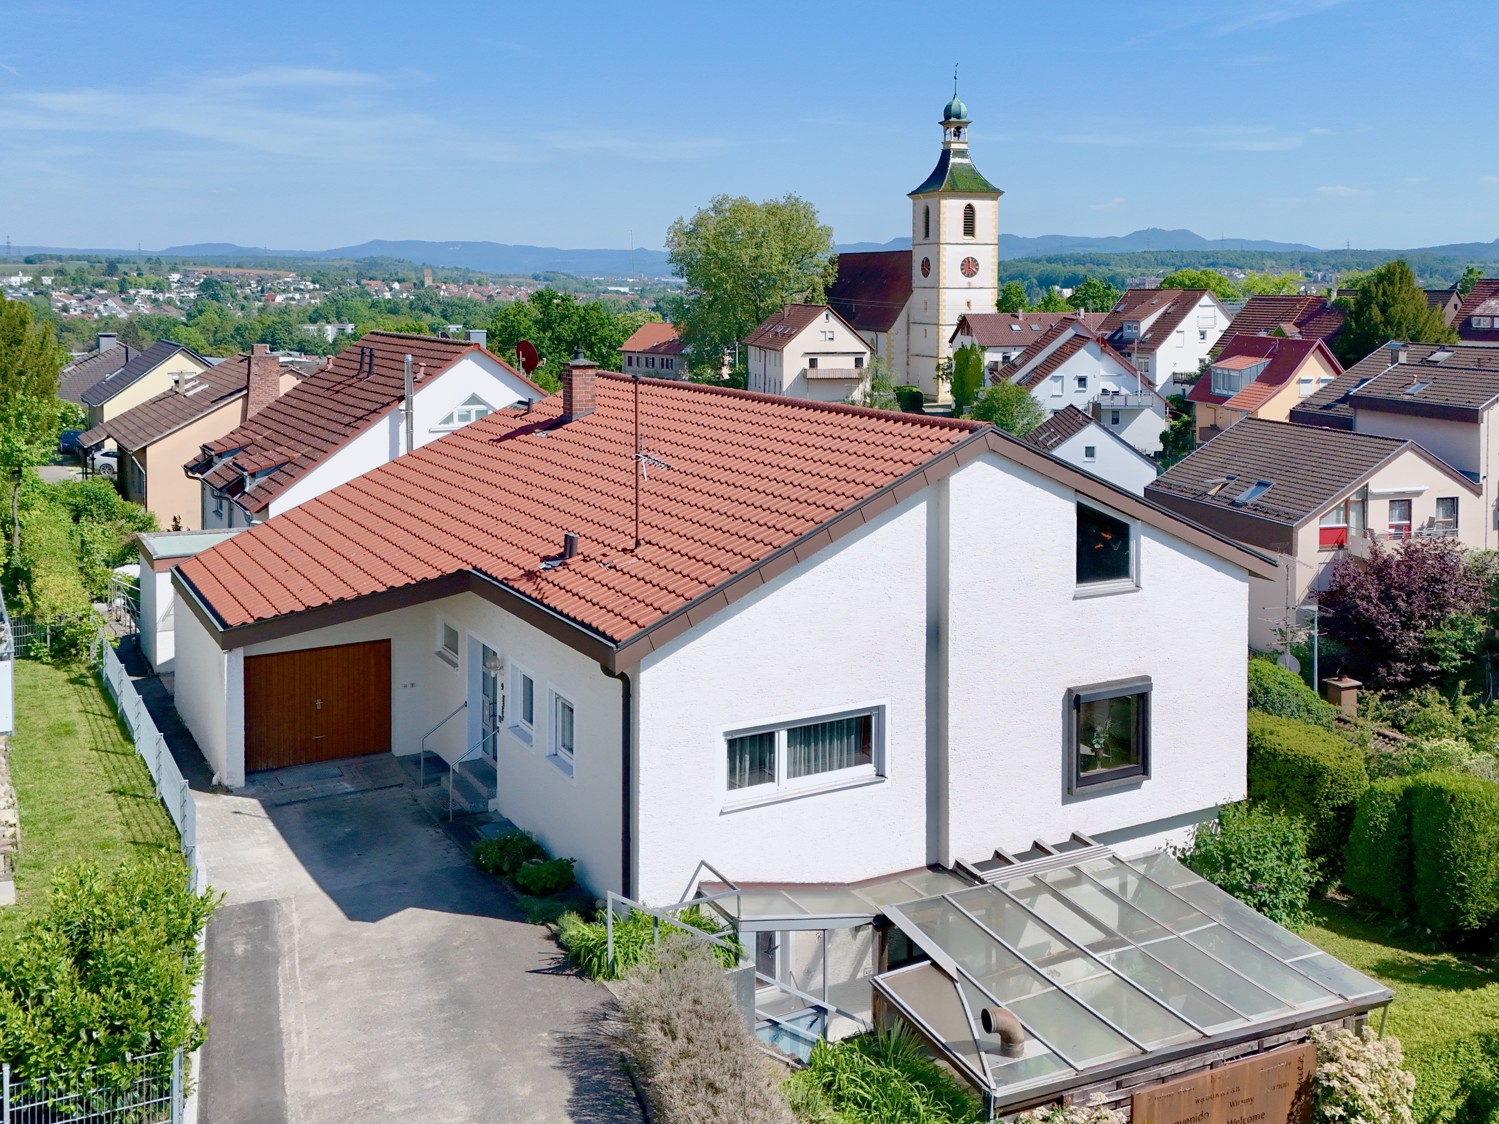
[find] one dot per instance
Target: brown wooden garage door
(317, 704)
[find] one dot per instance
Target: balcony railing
(1119, 400)
(835, 372)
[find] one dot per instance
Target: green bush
(1259, 857)
(508, 853)
(881, 1076)
(1433, 755)
(1455, 851)
(1310, 773)
(1428, 714)
(541, 878)
(1361, 1077)
(105, 971)
(1274, 690)
(679, 1022)
(587, 942)
(1378, 861)
(911, 400)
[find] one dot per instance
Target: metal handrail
(467, 755)
(422, 756)
(660, 915)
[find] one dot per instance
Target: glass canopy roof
(1104, 961)
(828, 907)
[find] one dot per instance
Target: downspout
(626, 781)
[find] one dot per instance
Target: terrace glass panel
(1217, 979)
(1122, 918)
(1333, 973)
(1281, 981)
(1071, 1029)
(1139, 1016)
(1186, 999)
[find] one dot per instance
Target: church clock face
(926, 267)
(969, 266)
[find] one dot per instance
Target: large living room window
(1106, 551)
(767, 761)
(1108, 735)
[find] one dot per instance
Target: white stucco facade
(1182, 351)
(827, 361)
(1098, 451)
(1097, 383)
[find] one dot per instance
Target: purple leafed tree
(1396, 611)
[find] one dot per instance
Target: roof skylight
(1251, 493)
(1416, 388)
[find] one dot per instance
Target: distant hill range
(503, 258)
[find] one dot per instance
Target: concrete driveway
(361, 968)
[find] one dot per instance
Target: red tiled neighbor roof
(1018, 329)
(654, 338)
(1173, 306)
(1286, 359)
(748, 474)
(1311, 317)
(320, 415)
(780, 328)
(1482, 300)
(872, 290)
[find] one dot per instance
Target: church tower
(954, 251)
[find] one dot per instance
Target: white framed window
(1090, 452)
(522, 703)
(472, 409)
(812, 363)
(1107, 552)
(1482, 321)
(448, 639)
(1057, 386)
(827, 333)
(564, 720)
(1082, 382)
(786, 758)
(1114, 418)
(1446, 520)
(1201, 335)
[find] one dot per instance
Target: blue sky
(327, 123)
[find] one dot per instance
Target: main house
(692, 624)
(1443, 397)
(156, 437)
(1166, 333)
(356, 413)
(1307, 496)
(807, 351)
(1260, 377)
(1068, 365)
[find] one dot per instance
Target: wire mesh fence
(146, 1090)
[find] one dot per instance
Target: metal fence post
(608, 929)
(177, 1086)
(5, 1092)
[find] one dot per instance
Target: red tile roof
(1067, 422)
(298, 430)
(1286, 359)
(1311, 316)
(780, 328)
(1482, 300)
(654, 338)
(872, 290)
(748, 474)
(1172, 306)
(1074, 337)
(1001, 329)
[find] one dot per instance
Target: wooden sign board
(1270, 1088)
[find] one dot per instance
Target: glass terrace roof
(830, 907)
(1104, 961)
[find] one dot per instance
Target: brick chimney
(577, 387)
(264, 380)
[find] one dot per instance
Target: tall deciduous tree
(558, 324)
(1389, 306)
(1094, 294)
(1209, 279)
(742, 261)
(1012, 298)
(1053, 301)
(1009, 406)
(1271, 284)
(30, 360)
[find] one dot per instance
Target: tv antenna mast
(644, 462)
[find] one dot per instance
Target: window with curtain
(760, 762)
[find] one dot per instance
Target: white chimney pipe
(410, 407)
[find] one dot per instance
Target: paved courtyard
(362, 969)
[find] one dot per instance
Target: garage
(317, 704)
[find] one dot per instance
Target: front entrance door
(492, 698)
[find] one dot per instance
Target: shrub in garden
(587, 942)
(1309, 773)
(1430, 714)
(1433, 755)
(1361, 1077)
(1259, 857)
(1093, 1112)
(1274, 690)
(1378, 864)
(106, 970)
(679, 1023)
(1455, 852)
(543, 878)
(883, 1075)
(911, 400)
(508, 853)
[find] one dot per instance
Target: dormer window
(472, 410)
(970, 221)
(1131, 329)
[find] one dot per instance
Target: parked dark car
(68, 445)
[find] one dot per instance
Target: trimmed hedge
(1307, 772)
(911, 400)
(1455, 847)
(1274, 690)
(1378, 860)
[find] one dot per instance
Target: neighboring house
(147, 374)
(160, 553)
(1477, 321)
(1310, 316)
(1309, 495)
(807, 351)
(155, 438)
(784, 661)
(348, 418)
(1067, 365)
(656, 350)
(1441, 396)
(1260, 377)
(85, 371)
(1075, 437)
(1448, 302)
(1004, 335)
(907, 303)
(1166, 333)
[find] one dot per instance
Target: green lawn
(82, 791)
(1442, 999)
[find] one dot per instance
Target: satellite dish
(525, 352)
(1289, 662)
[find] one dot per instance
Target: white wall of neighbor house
(843, 631)
(202, 696)
(436, 397)
(1021, 634)
(1093, 450)
(158, 641)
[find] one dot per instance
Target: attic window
(1017, 327)
(1441, 355)
(1251, 493)
(1415, 388)
(1216, 486)
(471, 410)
